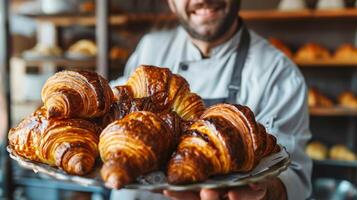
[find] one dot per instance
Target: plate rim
(61, 175)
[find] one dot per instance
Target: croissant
(137, 144)
(312, 51)
(166, 91)
(226, 139)
(70, 94)
(70, 144)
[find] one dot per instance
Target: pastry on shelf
(69, 94)
(317, 151)
(311, 52)
(70, 144)
(281, 46)
(348, 99)
(341, 152)
(346, 52)
(119, 53)
(317, 99)
(43, 51)
(82, 49)
(226, 139)
(87, 7)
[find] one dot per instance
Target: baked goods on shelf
(70, 144)
(346, 52)
(341, 152)
(43, 51)
(119, 53)
(70, 94)
(87, 7)
(317, 151)
(348, 99)
(82, 49)
(226, 139)
(311, 52)
(317, 99)
(281, 46)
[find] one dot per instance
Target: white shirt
(272, 86)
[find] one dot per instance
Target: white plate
(270, 166)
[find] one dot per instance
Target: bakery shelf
(333, 111)
(90, 20)
(337, 163)
(67, 19)
(333, 63)
(66, 62)
(299, 15)
(61, 61)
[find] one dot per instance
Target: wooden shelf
(326, 63)
(66, 62)
(300, 14)
(336, 163)
(67, 19)
(90, 20)
(61, 62)
(334, 111)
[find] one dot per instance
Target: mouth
(207, 12)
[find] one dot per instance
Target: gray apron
(235, 83)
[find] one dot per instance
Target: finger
(208, 194)
(182, 195)
(246, 193)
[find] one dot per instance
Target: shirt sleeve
(284, 112)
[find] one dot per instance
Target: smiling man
(225, 62)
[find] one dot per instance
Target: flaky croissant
(70, 94)
(226, 139)
(70, 144)
(137, 144)
(166, 91)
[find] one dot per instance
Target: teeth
(204, 11)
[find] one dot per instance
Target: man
(224, 62)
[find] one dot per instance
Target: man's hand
(271, 189)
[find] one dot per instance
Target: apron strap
(242, 54)
(236, 79)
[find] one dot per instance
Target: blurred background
(41, 37)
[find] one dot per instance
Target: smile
(207, 12)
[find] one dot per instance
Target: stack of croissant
(153, 122)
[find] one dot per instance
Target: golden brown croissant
(70, 144)
(348, 99)
(312, 51)
(70, 94)
(317, 99)
(226, 139)
(137, 144)
(166, 91)
(346, 52)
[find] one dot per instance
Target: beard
(221, 27)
